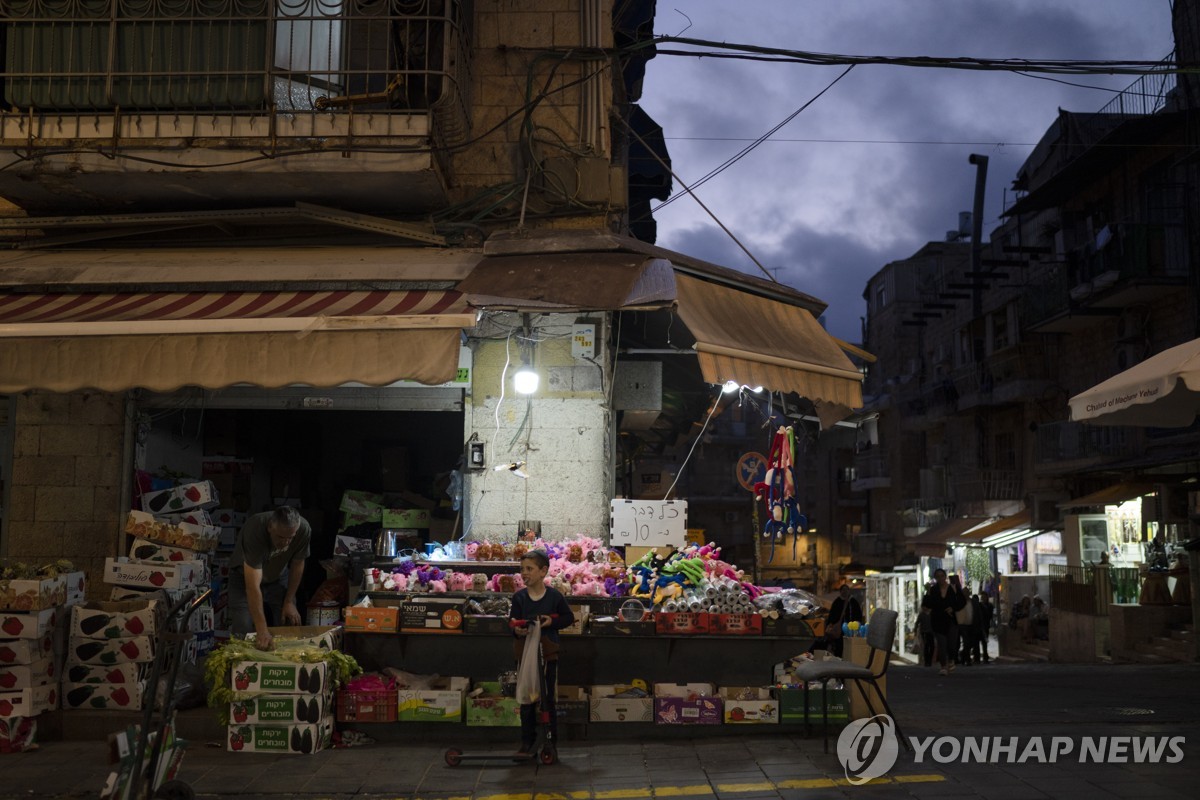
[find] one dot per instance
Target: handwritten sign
(648, 523)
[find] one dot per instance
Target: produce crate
(366, 705)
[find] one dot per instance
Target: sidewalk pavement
(1010, 700)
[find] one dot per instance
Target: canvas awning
(164, 340)
(1163, 392)
(1110, 495)
(756, 341)
(1005, 538)
(980, 535)
(570, 282)
(946, 532)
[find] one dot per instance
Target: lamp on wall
(525, 380)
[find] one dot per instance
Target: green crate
(791, 705)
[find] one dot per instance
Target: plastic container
(375, 705)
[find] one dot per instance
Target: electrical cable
(696, 441)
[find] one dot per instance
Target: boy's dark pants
(529, 711)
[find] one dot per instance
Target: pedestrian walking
(987, 613)
(940, 602)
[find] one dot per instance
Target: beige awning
(570, 282)
(1110, 495)
(165, 340)
(976, 536)
(756, 341)
(946, 532)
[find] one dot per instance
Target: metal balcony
(1057, 444)
(871, 470)
(191, 83)
(1007, 376)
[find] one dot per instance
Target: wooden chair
(881, 632)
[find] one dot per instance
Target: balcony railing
(241, 57)
(1057, 442)
(972, 484)
(1147, 95)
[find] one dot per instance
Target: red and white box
(28, 626)
(24, 676)
(111, 651)
(26, 651)
(125, 697)
(197, 516)
(182, 534)
(186, 496)
(128, 673)
(115, 620)
(147, 550)
(76, 587)
(228, 518)
(154, 574)
(28, 702)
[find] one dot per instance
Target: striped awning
(165, 340)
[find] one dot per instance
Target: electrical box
(583, 339)
(476, 456)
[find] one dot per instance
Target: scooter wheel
(548, 756)
(175, 790)
(453, 757)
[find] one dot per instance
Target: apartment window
(880, 296)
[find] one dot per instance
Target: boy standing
(537, 601)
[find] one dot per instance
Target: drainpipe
(981, 164)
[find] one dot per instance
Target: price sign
(648, 523)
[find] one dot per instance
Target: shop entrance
(263, 448)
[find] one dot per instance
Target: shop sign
(648, 523)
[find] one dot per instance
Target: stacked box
(441, 702)
(491, 708)
(749, 705)
(201, 538)
(185, 497)
(29, 666)
(110, 647)
(687, 704)
(604, 707)
(282, 707)
(32, 594)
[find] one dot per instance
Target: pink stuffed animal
(438, 587)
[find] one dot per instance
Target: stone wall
(65, 497)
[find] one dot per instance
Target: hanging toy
(778, 490)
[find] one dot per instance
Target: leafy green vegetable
(220, 662)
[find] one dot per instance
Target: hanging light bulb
(730, 387)
(525, 381)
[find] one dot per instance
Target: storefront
(901, 591)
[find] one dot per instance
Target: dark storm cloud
(834, 212)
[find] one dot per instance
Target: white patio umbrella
(1162, 392)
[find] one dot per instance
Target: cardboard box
(144, 525)
(486, 625)
(26, 651)
(146, 550)
(129, 673)
(24, 676)
(366, 706)
(432, 615)
(737, 624)
(33, 594)
(28, 702)
(687, 704)
(197, 516)
(18, 734)
(33, 625)
(749, 705)
(492, 709)
(577, 627)
(115, 620)
(116, 696)
(361, 503)
(603, 707)
(304, 738)
(201, 494)
(111, 651)
(228, 518)
(288, 709)
(443, 702)
(348, 545)
(791, 705)
(372, 620)
(155, 574)
(404, 518)
(76, 587)
(682, 624)
(277, 678)
(571, 704)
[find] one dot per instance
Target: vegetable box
(182, 534)
(201, 494)
(746, 705)
(147, 550)
(127, 673)
(111, 651)
(492, 709)
(24, 676)
(280, 677)
(33, 594)
(26, 651)
(603, 707)
(372, 620)
(28, 702)
(281, 708)
(442, 702)
(114, 620)
(123, 696)
(34, 625)
(268, 738)
(154, 574)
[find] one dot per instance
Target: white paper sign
(648, 523)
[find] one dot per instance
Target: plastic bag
(529, 678)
